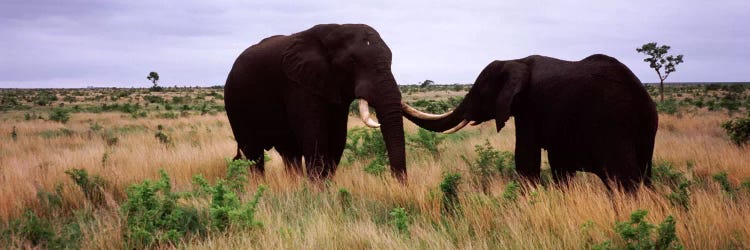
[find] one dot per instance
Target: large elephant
(590, 115)
(292, 93)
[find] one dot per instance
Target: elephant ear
(514, 76)
(305, 64)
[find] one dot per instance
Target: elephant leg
(528, 153)
(255, 155)
(315, 146)
(562, 165)
(337, 130)
(291, 154)
(619, 164)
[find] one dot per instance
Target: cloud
(112, 43)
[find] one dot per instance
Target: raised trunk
(441, 124)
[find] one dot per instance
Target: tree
(425, 83)
(657, 61)
(153, 77)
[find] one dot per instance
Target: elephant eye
(367, 42)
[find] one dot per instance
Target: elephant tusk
(474, 123)
(422, 115)
(364, 113)
(457, 127)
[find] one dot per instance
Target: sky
(75, 43)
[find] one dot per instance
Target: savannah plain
(69, 156)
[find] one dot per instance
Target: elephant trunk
(388, 111)
(449, 122)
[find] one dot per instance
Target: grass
(355, 209)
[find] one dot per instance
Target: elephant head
(342, 62)
(493, 95)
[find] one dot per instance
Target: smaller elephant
(590, 115)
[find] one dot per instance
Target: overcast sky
(76, 43)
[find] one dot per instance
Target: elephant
(293, 92)
(591, 115)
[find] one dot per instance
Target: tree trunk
(661, 90)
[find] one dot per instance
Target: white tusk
(457, 127)
(364, 113)
(474, 123)
(422, 115)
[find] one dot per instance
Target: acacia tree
(153, 77)
(657, 61)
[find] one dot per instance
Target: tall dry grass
(299, 214)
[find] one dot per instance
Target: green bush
(153, 99)
(511, 191)
(664, 172)
(59, 115)
(681, 196)
(726, 186)
(345, 198)
(488, 163)
(163, 138)
(400, 220)
(92, 187)
(426, 140)
(68, 98)
(153, 216)
(363, 144)
(40, 232)
(449, 187)
(433, 106)
(637, 234)
(738, 130)
(44, 98)
(668, 106)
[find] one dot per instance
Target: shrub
(95, 127)
(44, 98)
(40, 233)
(489, 162)
(723, 179)
(668, 106)
(664, 172)
(92, 187)
(426, 140)
(449, 186)
(511, 191)
(637, 234)
(400, 220)
(237, 174)
(163, 138)
(681, 196)
(226, 208)
(59, 115)
(364, 144)
(153, 216)
(68, 98)
(433, 106)
(738, 130)
(345, 198)
(153, 99)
